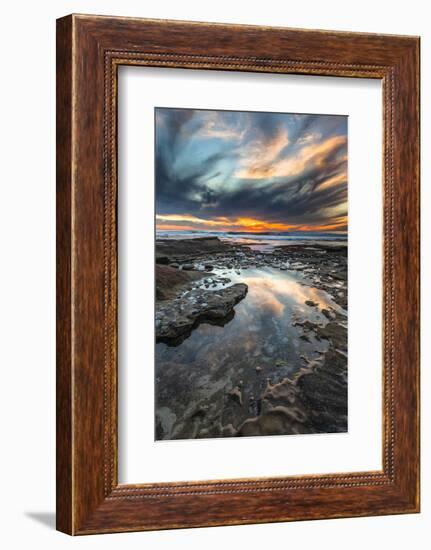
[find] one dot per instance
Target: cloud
(214, 168)
(179, 218)
(315, 154)
(217, 127)
(260, 156)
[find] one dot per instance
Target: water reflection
(266, 334)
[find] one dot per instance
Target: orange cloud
(216, 127)
(261, 155)
(334, 180)
(313, 154)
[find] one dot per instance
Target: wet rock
(327, 314)
(314, 401)
(228, 431)
(187, 267)
(236, 395)
(324, 393)
(163, 260)
(187, 247)
(335, 333)
(170, 281)
(179, 317)
(281, 412)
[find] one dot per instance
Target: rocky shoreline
(267, 396)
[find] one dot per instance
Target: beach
(251, 336)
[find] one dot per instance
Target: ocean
(264, 242)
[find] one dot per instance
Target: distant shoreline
(292, 234)
(261, 240)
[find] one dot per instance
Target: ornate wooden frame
(89, 51)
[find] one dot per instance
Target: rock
(164, 260)
(324, 393)
(175, 265)
(228, 431)
(281, 412)
(334, 333)
(236, 395)
(171, 281)
(327, 314)
(188, 247)
(258, 369)
(310, 303)
(306, 325)
(178, 317)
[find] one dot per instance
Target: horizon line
(341, 232)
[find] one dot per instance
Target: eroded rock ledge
(175, 319)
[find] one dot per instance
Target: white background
(27, 122)
(141, 458)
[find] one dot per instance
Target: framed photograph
(237, 274)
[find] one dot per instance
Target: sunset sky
(250, 171)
